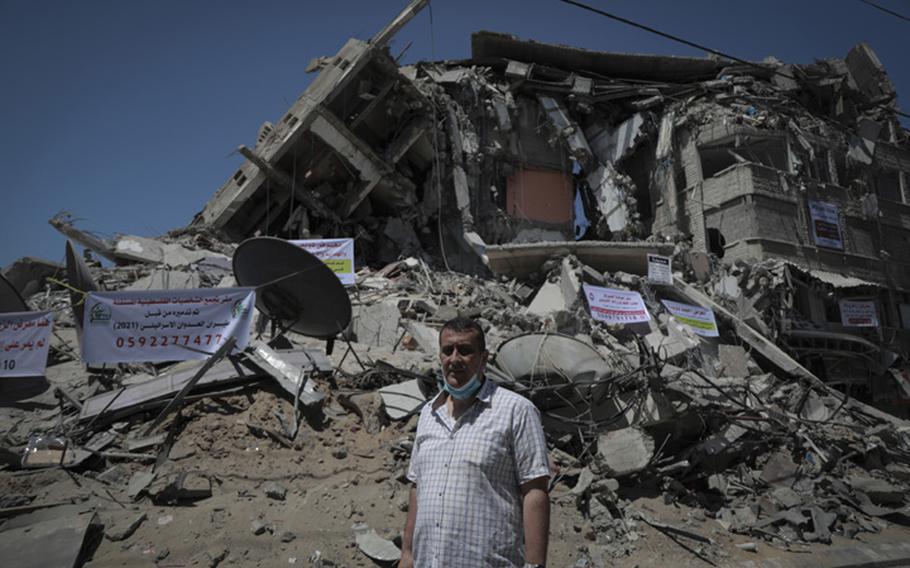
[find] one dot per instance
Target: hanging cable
(699, 46)
(885, 10)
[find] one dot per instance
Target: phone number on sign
(142, 341)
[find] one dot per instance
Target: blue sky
(127, 113)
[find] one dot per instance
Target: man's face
(461, 356)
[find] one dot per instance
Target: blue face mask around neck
(467, 391)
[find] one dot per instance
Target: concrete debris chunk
(548, 301)
(181, 486)
(626, 451)
(377, 325)
(779, 470)
(374, 546)
(138, 483)
(274, 491)
(403, 399)
(609, 197)
(56, 541)
(258, 527)
(879, 491)
(734, 361)
(127, 531)
(427, 337)
(670, 346)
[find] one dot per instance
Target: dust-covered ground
(332, 478)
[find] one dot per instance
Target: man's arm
(536, 517)
(407, 556)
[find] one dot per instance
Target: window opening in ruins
(639, 166)
(808, 304)
(716, 159)
(832, 310)
(716, 242)
(813, 166)
(904, 310)
(290, 120)
(888, 184)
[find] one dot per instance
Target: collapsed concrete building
(495, 163)
(497, 188)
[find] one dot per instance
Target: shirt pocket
(489, 452)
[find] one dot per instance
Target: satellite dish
(303, 294)
(551, 360)
(80, 278)
(10, 299)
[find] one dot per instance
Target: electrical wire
(885, 10)
(686, 42)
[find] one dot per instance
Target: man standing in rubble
(479, 468)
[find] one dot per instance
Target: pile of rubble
(498, 189)
(727, 428)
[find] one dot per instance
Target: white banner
(25, 338)
(337, 254)
(698, 319)
(659, 269)
(855, 313)
(826, 224)
(615, 306)
(164, 325)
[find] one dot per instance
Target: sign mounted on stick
(698, 319)
(826, 224)
(24, 341)
(615, 306)
(337, 254)
(660, 269)
(164, 325)
(855, 313)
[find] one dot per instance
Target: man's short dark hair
(461, 324)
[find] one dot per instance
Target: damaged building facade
(784, 185)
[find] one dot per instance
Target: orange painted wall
(538, 195)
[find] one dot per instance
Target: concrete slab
(403, 399)
(56, 542)
(866, 556)
(521, 259)
(672, 346)
(427, 338)
(377, 325)
(166, 279)
(569, 283)
(734, 361)
(548, 301)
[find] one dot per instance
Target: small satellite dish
(301, 292)
(80, 278)
(10, 299)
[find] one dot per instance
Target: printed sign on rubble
(659, 269)
(24, 341)
(855, 313)
(698, 319)
(615, 306)
(825, 224)
(164, 325)
(337, 254)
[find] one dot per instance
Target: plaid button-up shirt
(468, 472)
